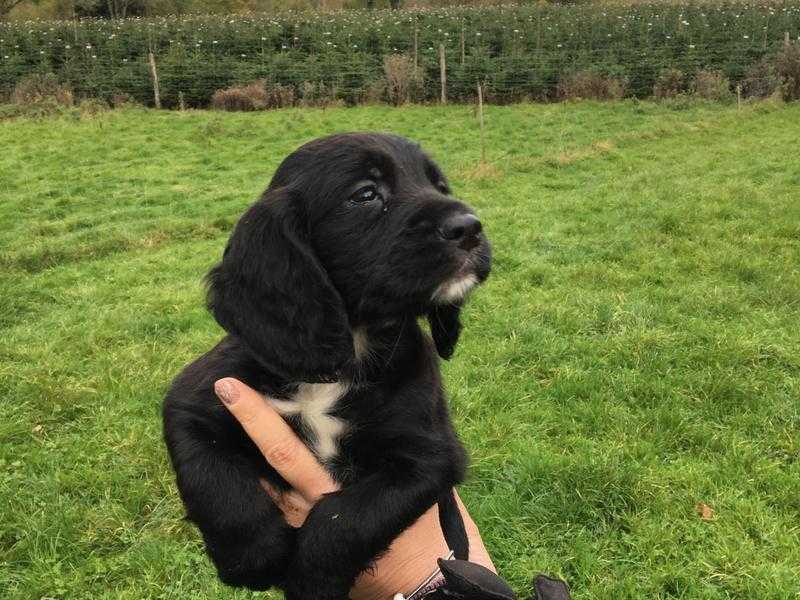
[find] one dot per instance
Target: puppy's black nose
(461, 227)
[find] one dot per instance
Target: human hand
(412, 556)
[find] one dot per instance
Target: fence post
(416, 48)
(786, 41)
(181, 101)
(739, 96)
(154, 75)
(443, 73)
(463, 35)
(480, 120)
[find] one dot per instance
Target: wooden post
(443, 73)
(463, 35)
(739, 96)
(154, 75)
(786, 41)
(181, 101)
(480, 120)
(416, 48)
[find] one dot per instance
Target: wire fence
(517, 52)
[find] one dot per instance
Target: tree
(118, 9)
(7, 5)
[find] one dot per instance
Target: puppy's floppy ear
(445, 328)
(271, 292)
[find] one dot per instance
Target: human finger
(279, 444)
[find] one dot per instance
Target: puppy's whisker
(397, 341)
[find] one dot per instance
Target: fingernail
(226, 391)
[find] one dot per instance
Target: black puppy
(319, 290)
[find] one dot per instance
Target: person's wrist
(395, 575)
(409, 561)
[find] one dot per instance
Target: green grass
(636, 350)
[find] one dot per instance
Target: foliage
(517, 51)
(761, 80)
(253, 96)
(41, 88)
(787, 67)
(590, 85)
(670, 83)
(403, 81)
(711, 85)
(634, 353)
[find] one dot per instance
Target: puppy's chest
(312, 411)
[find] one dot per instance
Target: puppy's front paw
(258, 564)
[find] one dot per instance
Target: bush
(121, 100)
(241, 97)
(375, 92)
(280, 96)
(670, 83)
(403, 81)
(253, 96)
(761, 80)
(317, 95)
(10, 111)
(91, 107)
(589, 85)
(787, 67)
(711, 85)
(41, 89)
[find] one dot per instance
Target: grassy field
(635, 352)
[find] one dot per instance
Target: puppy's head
(354, 229)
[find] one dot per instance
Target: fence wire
(518, 52)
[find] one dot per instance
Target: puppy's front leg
(349, 528)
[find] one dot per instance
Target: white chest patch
(312, 403)
(454, 289)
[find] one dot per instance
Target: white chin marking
(455, 289)
(313, 402)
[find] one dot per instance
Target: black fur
(313, 260)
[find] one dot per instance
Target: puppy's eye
(366, 194)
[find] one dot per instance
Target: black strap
(452, 524)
